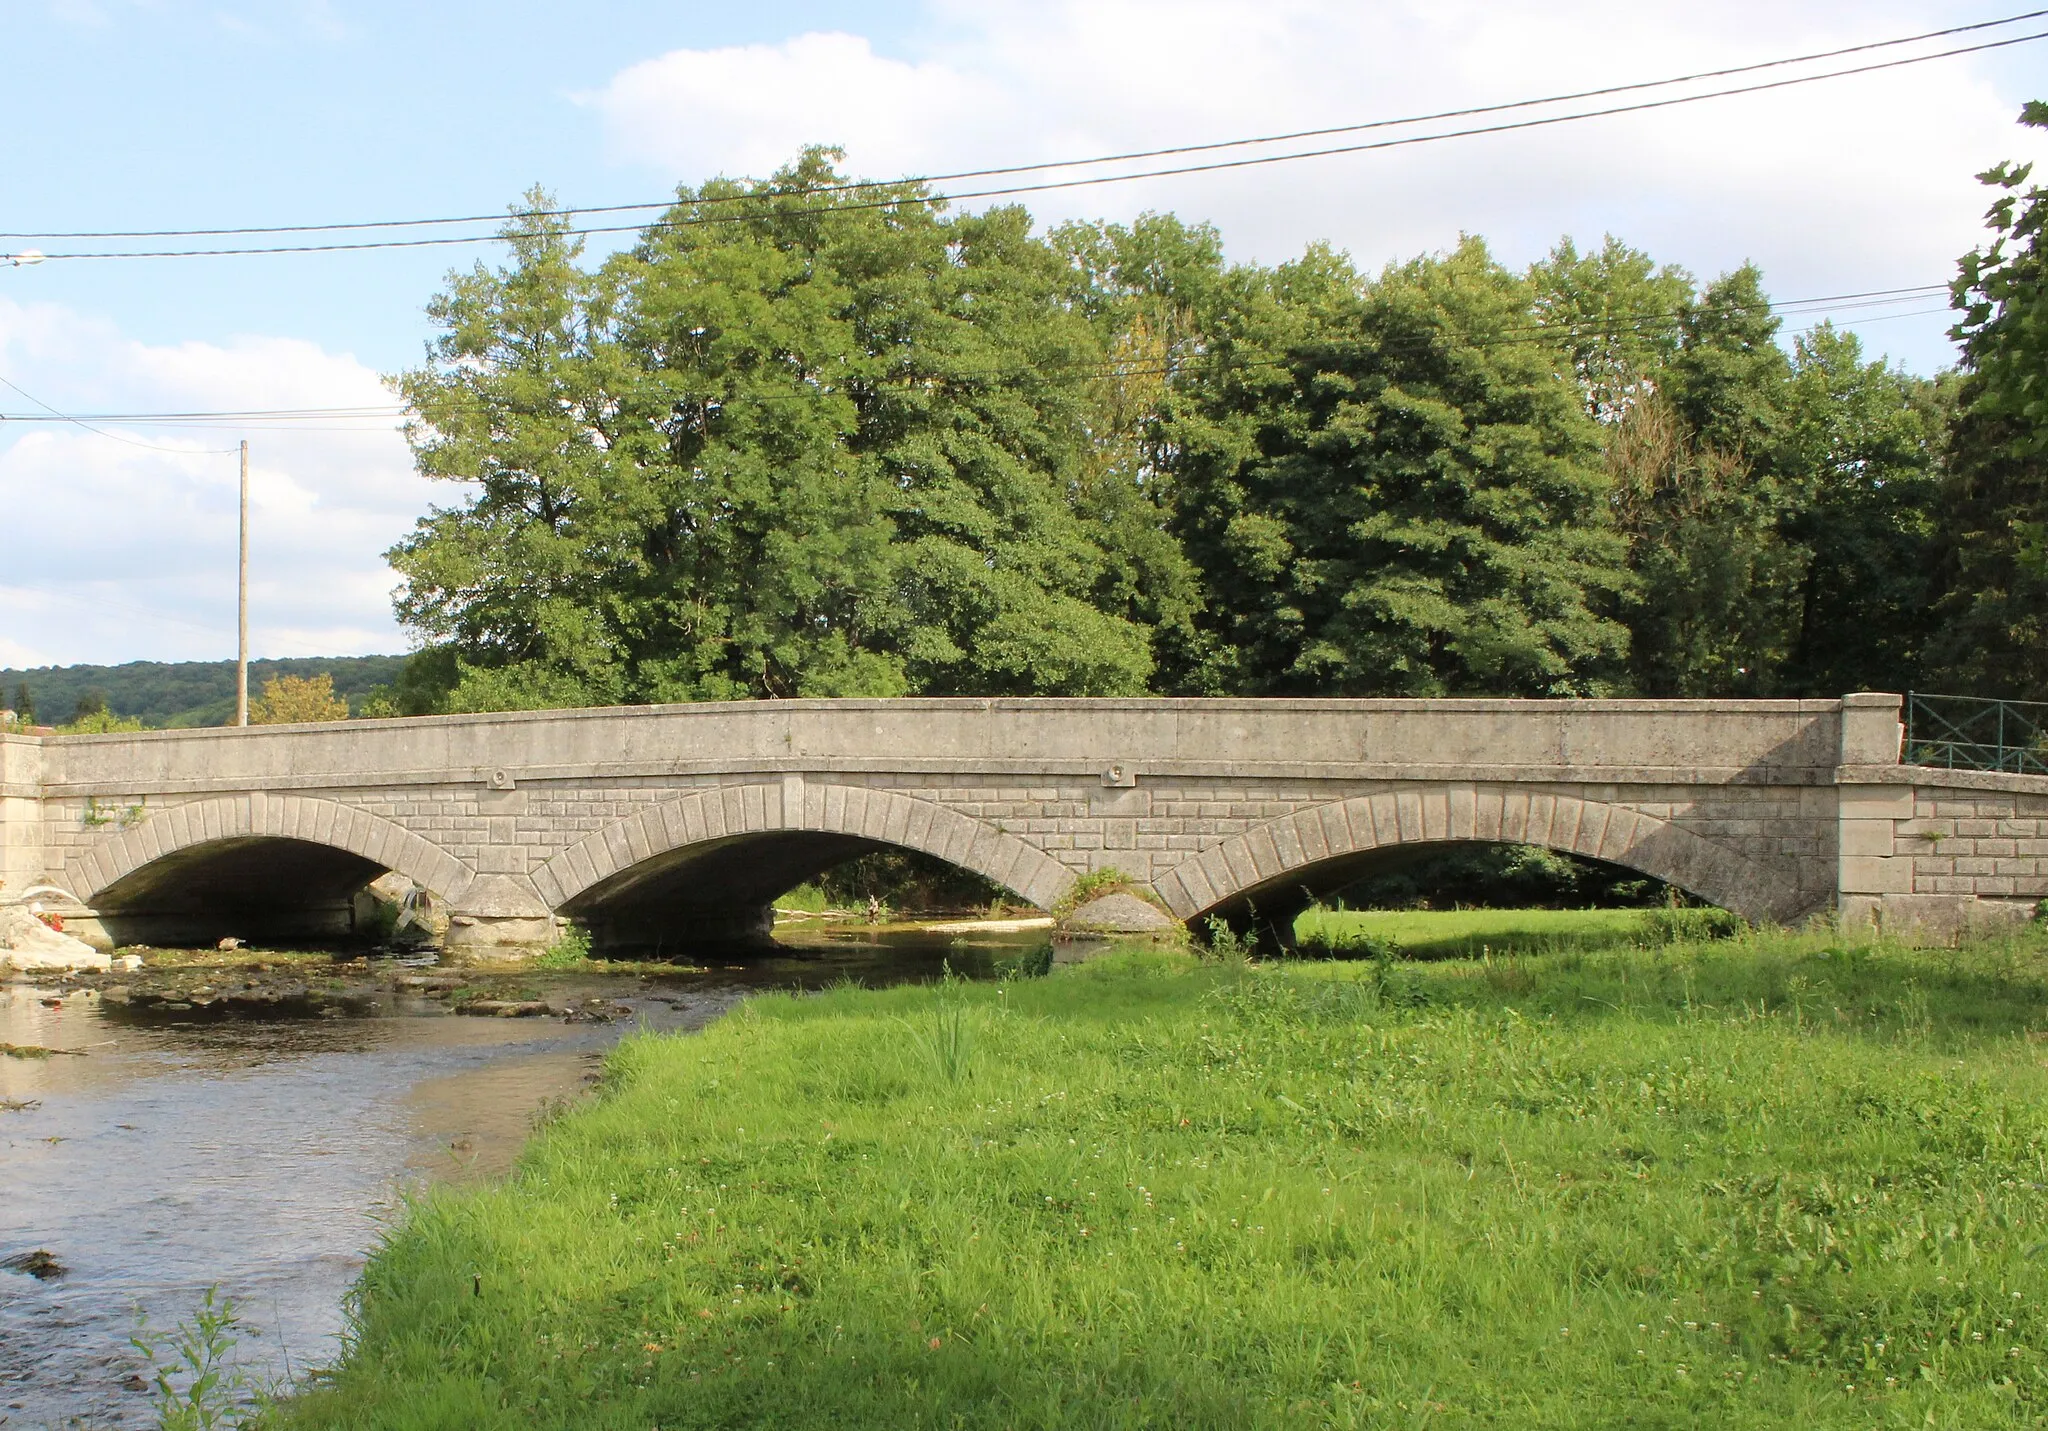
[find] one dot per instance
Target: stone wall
(1937, 853)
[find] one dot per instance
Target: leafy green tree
(290, 700)
(1391, 489)
(1727, 377)
(794, 443)
(1994, 635)
(801, 441)
(1860, 462)
(520, 399)
(1697, 489)
(1616, 314)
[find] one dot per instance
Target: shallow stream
(261, 1150)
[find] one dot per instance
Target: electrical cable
(1129, 156)
(1561, 326)
(658, 226)
(57, 416)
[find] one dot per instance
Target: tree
(1860, 463)
(793, 444)
(1994, 633)
(1618, 317)
(294, 700)
(1703, 494)
(1392, 489)
(1702, 545)
(518, 399)
(25, 703)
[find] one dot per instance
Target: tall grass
(1765, 1181)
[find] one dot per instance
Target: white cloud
(122, 547)
(1846, 185)
(83, 13)
(742, 103)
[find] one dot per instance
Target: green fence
(1972, 733)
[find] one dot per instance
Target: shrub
(571, 947)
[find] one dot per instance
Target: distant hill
(183, 693)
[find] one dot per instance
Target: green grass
(807, 898)
(1484, 933)
(571, 950)
(1765, 1181)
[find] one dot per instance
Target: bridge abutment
(21, 822)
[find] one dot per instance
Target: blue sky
(119, 115)
(160, 113)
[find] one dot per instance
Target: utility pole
(242, 604)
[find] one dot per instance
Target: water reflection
(262, 1150)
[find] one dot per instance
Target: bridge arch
(739, 845)
(258, 865)
(1320, 849)
(307, 819)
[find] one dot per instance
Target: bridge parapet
(1759, 742)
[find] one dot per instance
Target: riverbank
(1764, 1180)
(246, 981)
(252, 1120)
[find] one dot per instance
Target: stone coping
(980, 772)
(1165, 705)
(1942, 777)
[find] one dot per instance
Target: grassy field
(1485, 933)
(1765, 1181)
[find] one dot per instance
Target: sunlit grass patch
(1762, 1181)
(1477, 933)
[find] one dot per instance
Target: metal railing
(1975, 733)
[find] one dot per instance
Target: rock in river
(39, 1264)
(505, 1008)
(27, 943)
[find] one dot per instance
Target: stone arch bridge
(683, 822)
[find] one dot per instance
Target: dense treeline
(801, 442)
(178, 693)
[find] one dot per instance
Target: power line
(253, 414)
(899, 201)
(1129, 156)
(56, 416)
(1563, 326)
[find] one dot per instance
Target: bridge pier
(498, 917)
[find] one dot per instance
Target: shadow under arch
(273, 867)
(1278, 867)
(708, 866)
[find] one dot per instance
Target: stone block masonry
(641, 819)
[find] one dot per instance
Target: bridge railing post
(1872, 733)
(1870, 870)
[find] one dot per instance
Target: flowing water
(261, 1153)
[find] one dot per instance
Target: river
(261, 1151)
